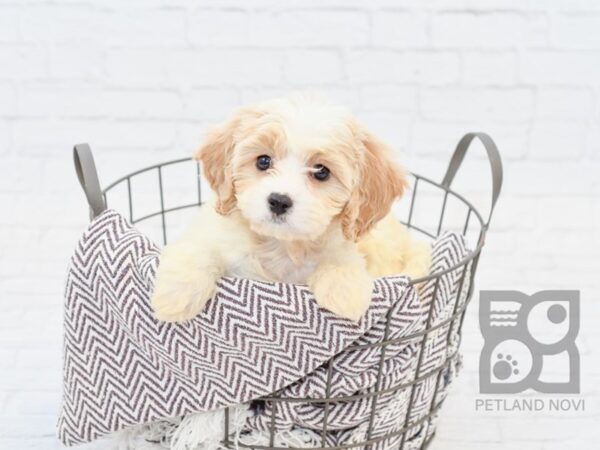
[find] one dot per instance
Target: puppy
(299, 185)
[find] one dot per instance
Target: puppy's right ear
(216, 154)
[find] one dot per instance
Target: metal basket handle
(88, 178)
(493, 157)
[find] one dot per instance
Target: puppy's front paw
(343, 290)
(177, 300)
(181, 288)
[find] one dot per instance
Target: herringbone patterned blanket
(123, 367)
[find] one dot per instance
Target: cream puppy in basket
(301, 190)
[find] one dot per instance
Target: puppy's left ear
(380, 183)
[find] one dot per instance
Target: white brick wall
(141, 81)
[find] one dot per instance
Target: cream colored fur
(331, 238)
(390, 249)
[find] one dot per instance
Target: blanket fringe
(204, 431)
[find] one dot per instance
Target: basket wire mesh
(469, 222)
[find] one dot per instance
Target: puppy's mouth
(270, 223)
(283, 228)
(274, 226)
(278, 219)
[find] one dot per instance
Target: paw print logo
(505, 367)
(510, 362)
(527, 336)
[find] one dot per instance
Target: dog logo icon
(529, 342)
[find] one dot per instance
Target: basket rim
(470, 256)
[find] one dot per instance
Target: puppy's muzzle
(279, 204)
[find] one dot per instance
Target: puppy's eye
(263, 162)
(321, 173)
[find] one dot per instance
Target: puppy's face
(293, 167)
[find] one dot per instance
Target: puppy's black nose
(279, 203)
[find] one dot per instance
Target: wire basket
(426, 195)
